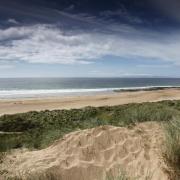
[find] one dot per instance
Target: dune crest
(92, 154)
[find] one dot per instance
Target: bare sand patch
(92, 154)
(11, 106)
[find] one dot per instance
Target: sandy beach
(93, 152)
(11, 106)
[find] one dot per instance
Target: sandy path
(91, 154)
(24, 105)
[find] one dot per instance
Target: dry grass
(122, 175)
(41, 128)
(37, 130)
(172, 148)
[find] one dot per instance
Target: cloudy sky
(89, 38)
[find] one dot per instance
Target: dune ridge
(93, 154)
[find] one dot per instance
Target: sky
(90, 38)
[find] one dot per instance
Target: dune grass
(122, 175)
(39, 129)
(172, 148)
(36, 130)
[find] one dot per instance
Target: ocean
(48, 87)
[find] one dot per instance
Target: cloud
(168, 7)
(48, 44)
(70, 8)
(14, 33)
(12, 21)
(121, 13)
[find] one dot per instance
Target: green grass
(36, 130)
(172, 148)
(39, 129)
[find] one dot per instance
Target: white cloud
(12, 21)
(47, 44)
(14, 33)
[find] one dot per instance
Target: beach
(11, 106)
(95, 142)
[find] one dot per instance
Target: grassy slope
(39, 129)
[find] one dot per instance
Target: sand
(24, 105)
(92, 154)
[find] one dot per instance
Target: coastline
(12, 106)
(50, 93)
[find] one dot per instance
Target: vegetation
(172, 148)
(39, 129)
(121, 176)
(145, 89)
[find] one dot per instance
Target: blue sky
(86, 38)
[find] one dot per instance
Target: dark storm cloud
(170, 7)
(76, 13)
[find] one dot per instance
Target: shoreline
(12, 106)
(53, 93)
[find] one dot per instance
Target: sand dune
(92, 154)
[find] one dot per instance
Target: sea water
(47, 87)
